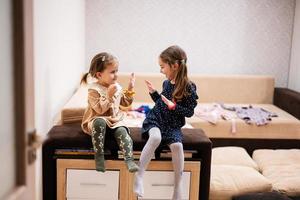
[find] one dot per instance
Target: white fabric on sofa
(285, 126)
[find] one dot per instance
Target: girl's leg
(146, 155)
(98, 137)
(178, 165)
(125, 145)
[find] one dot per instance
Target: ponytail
(84, 79)
(181, 82)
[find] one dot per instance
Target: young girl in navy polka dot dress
(163, 123)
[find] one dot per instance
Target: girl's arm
(187, 106)
(154, 96)
(100, 104)
(153, 93)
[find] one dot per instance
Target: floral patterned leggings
(98, 137)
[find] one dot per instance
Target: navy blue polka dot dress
(170, 121)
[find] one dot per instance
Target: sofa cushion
(262, 196)
(284, 178)
(231, 155)
(281, 167)
(73, 110)
(279, 157)
(228, 181)
(234, 88)
(213, 88)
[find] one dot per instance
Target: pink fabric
(213, 113)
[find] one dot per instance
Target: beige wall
(294, 78)
(220, 37)
(59, 55)
(59, 38)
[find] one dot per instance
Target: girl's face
(168, 70)
(109, 75)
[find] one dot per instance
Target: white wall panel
(219, 36)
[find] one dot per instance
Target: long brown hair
(172, 55)
(98, 64)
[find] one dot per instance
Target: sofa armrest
(288, 100)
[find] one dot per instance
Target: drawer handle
(93, 184)
(164, 185)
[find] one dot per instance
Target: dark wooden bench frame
(70, 136)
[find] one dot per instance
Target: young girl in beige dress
(102, 115)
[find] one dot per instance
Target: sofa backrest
(254, 89)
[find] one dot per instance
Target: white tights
(178, 165)
(148, 152)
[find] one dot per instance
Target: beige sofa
(228, 89)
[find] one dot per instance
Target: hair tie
(103, 58)
(182, 61)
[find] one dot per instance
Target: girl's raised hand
(111, 90)
(150, 86)
(131, 82)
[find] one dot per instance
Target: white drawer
(90, 184)
(160, 185)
